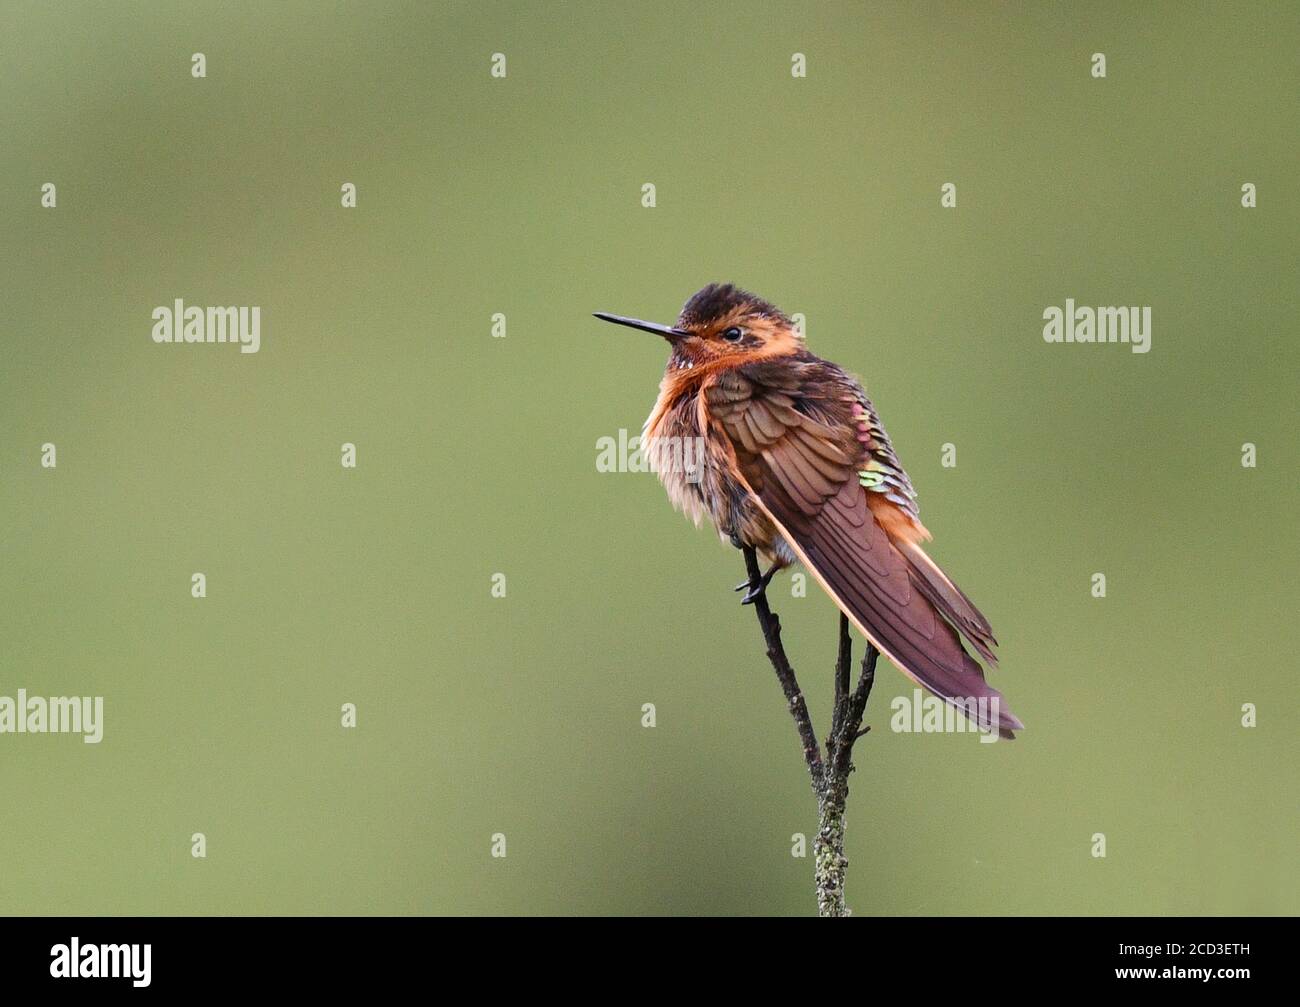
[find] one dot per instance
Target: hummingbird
(796, 464)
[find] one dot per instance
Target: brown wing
(892, 502)
(795, 427)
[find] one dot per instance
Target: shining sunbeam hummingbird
(797, 465)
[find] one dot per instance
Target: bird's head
(722, 325)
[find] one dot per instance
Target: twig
(771, 627)
(850, 728)
(841, 706)
(830, 779)
(832, 864)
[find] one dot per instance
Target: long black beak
(667, 331)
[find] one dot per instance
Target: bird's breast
(696, 463)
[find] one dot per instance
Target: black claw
(756, 591)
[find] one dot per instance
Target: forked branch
(830, 775)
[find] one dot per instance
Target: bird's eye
(733, 334)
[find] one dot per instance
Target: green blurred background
(476, 455)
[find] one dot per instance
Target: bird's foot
(756, 590)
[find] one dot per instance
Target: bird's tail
(904, 604)
(950, 600)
